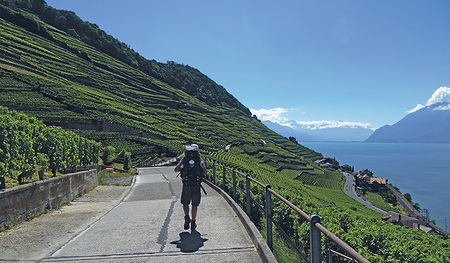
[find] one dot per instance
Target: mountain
(70, 73)
(342, 133)
(290, 132)
(430, 124)
(324, 134)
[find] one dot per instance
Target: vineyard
(28, 146)
(72, 74)
(322, 194)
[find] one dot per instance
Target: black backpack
(192, 171)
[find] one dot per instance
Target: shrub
(127, 161)
(109, 154)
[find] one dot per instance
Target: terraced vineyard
(76, 76)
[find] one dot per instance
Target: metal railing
(316, 228)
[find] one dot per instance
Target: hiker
(192, 169)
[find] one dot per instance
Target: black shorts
(191, 193)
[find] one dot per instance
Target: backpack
(192, 171)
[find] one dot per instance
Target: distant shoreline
(404, 164)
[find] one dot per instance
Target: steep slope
(102, 90)
(428, 125)
(70, 73)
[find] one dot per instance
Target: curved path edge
(262, 248)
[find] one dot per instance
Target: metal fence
(316, 229)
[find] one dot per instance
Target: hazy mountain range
(321, 134)
(430, 124)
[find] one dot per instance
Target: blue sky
(360, 62)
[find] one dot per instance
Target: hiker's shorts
(191, 193)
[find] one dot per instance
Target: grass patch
(104, 175)
(378, 201)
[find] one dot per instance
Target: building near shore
(367, 176)
(408, 221)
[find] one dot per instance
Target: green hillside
(70, 73)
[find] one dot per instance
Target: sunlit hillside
(70, 73)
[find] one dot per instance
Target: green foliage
(408, 197)
(127, 161)
(348, 168)
(26, 145)
(61, 70)
(108, 154)
(355, 224)
(42, 161)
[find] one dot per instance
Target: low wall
(17, 203)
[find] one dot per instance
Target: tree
(61, 22)
(408, 197)
(293, 139)
(73, 33)
(127, 161)
(109, 154)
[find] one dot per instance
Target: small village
(413, 220)
(365, 181)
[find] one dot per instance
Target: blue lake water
(423, 170)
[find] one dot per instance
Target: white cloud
(317, 125)
(440, 95)
(418, 107)
(274, 115)
(442, 107)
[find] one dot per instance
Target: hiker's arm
(177, 168)
(204, 169)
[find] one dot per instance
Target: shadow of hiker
(189, 242)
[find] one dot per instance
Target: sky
(349, 62)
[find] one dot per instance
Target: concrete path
(142, 223)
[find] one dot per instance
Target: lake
(423, 170)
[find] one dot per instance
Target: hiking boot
(193, 225)
(187, 220)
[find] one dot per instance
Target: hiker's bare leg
(186, 209)
(194, 212)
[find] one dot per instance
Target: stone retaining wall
(17, 203)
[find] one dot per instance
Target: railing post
(330, 256)
(234, 185)
(214, 174)
(269, 217)
(315, 239)
(249, 200)
(223, 178)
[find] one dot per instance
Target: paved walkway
(142, 223)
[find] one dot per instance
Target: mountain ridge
(51, 74)
(324, 134)
(427, 125)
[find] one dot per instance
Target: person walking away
(192, 169)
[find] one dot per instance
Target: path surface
(142, 223)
